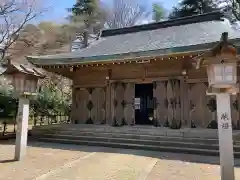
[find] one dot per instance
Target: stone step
(192, 141)
(139, 136)
(136, 135)
(138, 146)
(121, 140)
(203, 133)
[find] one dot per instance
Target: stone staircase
(191, 141)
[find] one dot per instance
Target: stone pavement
(47, 161)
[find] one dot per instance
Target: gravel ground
(46, 161)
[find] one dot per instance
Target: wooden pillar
(234, 110)
(238, 107)
(108, 104)
(238, 100)
(73, 106)
(184, 103)
(155, 102)
(129, 109)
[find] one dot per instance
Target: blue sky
(57, 11)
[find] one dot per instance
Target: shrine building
(144, 74)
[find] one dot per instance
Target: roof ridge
(216, 15)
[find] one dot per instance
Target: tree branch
(14, 15)
(125, 13)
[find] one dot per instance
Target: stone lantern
(24, 79)
(221, 66)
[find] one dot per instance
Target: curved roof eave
(58, 60)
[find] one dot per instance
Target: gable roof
(174, 36)
(13, 67)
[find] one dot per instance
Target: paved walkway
(68, 162)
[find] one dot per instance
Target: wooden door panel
(174, 104)
(160, 98)
(117, 102)
(129, 110)
(98, 111)
(202, 112)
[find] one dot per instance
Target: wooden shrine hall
(143, 75)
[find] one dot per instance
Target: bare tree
(235, 6)
(14, 15)
(232, 7)
(125, 13)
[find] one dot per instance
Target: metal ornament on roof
(221, 64)
(24, 77)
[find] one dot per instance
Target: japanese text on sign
(224, 121)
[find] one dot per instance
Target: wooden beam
(197, 80)
(146, 80)
(184, 88)
(89, 85)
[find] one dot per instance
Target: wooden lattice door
(99, 106)
(160, 103)
(122, 103)
(173, 103)
(81, 112)
(117, 103)
(89, 105)
(202, 112)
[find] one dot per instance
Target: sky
(57, 9)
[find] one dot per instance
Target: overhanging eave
(75, 60)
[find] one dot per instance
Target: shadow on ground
(7, 136)
(154, 154)
(7, 161)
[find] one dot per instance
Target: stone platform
(186, 140)
(139, 129)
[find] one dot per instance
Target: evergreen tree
(87, 9)
(193, 7)
(87, 13)
(158, 12)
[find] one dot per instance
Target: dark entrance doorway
(143, 112)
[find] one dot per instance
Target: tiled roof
(12, 67)
(170, 36)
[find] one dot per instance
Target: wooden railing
(59, 118)
(8, 127)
